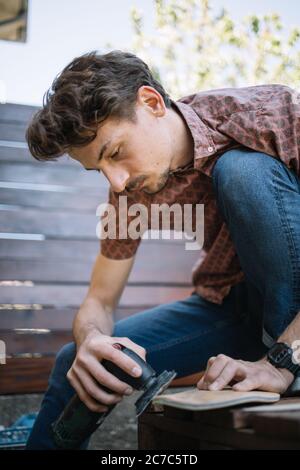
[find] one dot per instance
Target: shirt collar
(203, 143)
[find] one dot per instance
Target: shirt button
(210, 149)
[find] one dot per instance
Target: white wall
(59, 30)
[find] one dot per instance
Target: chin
(160, 184)
(154, 190)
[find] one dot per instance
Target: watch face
(279, 352)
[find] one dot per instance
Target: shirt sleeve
(272, 126)
(118, 248)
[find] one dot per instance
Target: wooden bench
(47, 248)
(167, 428)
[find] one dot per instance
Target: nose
(117, 179)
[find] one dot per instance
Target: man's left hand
(244, 376)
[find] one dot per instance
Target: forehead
(111, 130)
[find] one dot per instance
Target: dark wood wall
(45, 273)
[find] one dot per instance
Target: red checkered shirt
(265, 118)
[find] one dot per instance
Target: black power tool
(77, 422)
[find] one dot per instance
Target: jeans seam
(293, 252)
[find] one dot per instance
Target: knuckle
(80, 359)
(221, 356)
(112, 354)
(128, 341)
(94, 342)
(70, 375)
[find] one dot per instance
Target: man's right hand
(87, 373)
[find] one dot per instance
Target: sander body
(77, 422)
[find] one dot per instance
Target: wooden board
(57, 202)
(51, 224)
(71, 295)
(11, 151)
(39, 341)
(195, 399)
(159, 432)
(49, 173)
(37, 198)
(17, 112)
(25, 375)
(48, 261)
(49, 317)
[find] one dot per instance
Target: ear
(151, 100)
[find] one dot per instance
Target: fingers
(119, 358)
(245, 385)
(232, 370)
(220, 371)
(103, 377)
(95, 391)
(92, 404)
(90, 363)
(135, 347)
(87, 373)
(202, 383)
(214, 367)
(260, 375)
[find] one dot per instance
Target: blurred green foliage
(194, 49)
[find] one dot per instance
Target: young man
(235, 150)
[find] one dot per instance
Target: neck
(183, 142)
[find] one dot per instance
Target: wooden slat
(66, 295)
(39, 343)
(25, 375)
(51, 318)
(14, 154)
(51, 224)
(30, 318)
(18, 152)
(166, 264)
(42, 332)
(204, 436)
(10, 130)
(17, 112)
(80, 250)
(32, 250)
(56, 224)
(278, 424)
(80, 201)
(58, 200)
(50, 173)
(80, 272)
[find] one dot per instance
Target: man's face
(137, 155)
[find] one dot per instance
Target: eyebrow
(102, 150)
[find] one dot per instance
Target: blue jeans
(259, 199)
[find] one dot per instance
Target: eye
(114, 155)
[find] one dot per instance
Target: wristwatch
(280, 355)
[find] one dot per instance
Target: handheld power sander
(77, 422)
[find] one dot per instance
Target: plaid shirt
(265, 118)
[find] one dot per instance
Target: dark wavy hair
(89, 89)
